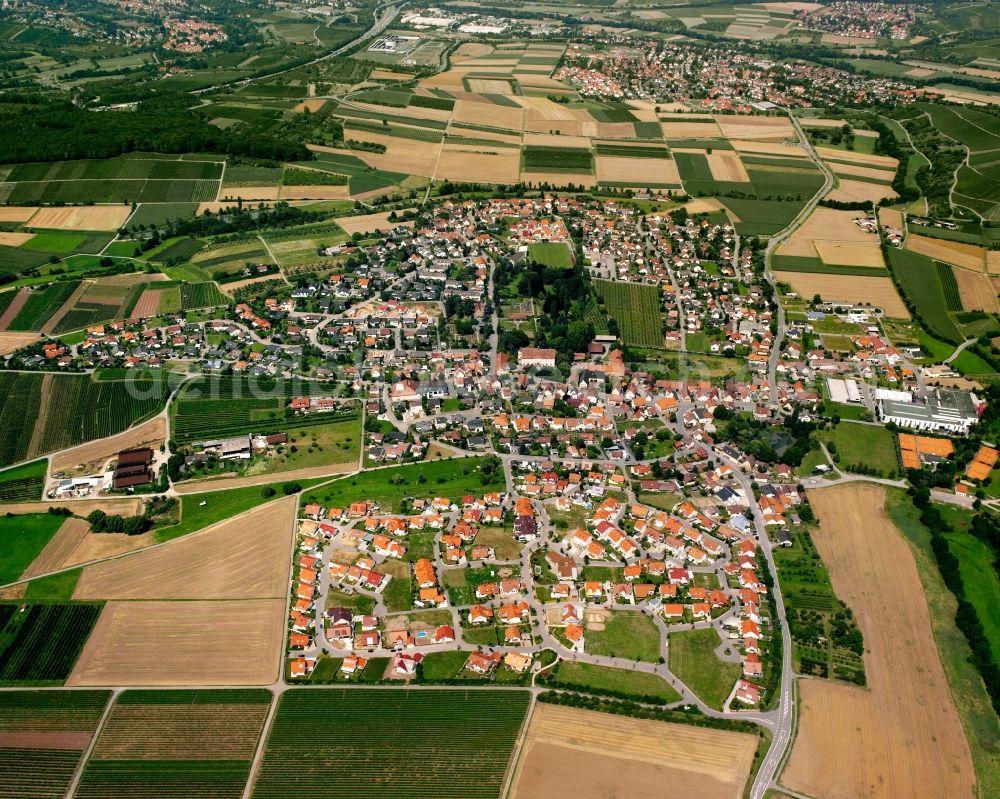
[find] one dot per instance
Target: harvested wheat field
(690, 130)
(976, 290)
(468, 50)
(81, 507)
(559, 178)
(11, 341)
(876, 291)
(726, 165)
(495, 116)
(850, 253)
(861, 171)
(219, 483)
(97, 546)
(13, 213)
(465, 162)
(88, 217)
(67, 538)
(890, 217)
(367, 223)
(401, 155)
(311, 105)
(313, 192)
(883, 162)
(249, 192)
(901, 736)
(177, 643)
(744, 127)
(768, 148)
(855, 191)
(968, 256)
(590, 755)
(8, 239)
(640, 171)
(836, 239)
(246, 557)
(993, 262)
(93, 455)
(705, 206)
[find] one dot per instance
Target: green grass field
(448, 744)
(982, 586)
(636, 308)
(446, 478)
(603, 679)
(920, 281)
(550, 254)
(626, 634)
(867, 444)
(693, 660)
(23, 538)
(23, 483)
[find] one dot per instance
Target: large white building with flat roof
(944, 410)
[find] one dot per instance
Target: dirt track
(901, 736)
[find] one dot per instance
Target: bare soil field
(177, 643)
(88, 217)
(690, 130)
(461, 162)
(246, 557)
(11, 341)
(126, 506)
(14, 308)
(743, 127)
(590, 755)
(388, 74)
(15, 239)
(12, 213)
(147, 304)
(642, 171)
(93, 455)
(41, 421)
(468, 50)
(877, 291)
(901, 736)
(67, 538)
(968, 256)
(891, 217)
(367, 223)
(976, 290)
(726, 165)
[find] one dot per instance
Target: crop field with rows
(392, 744)
(196, 743)
(557, 159)
(21, 395)
(24, 483)
(636, 309)
(60, 725)
(40, 643)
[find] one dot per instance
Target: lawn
(24, 537)
(866, 444)
(550, 254)
(982, 587)
(603, 679)
(626, 634)
(693, 660)
(388, 487)
(55, 587)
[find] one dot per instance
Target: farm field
(190, 742)
(636, 307)
(23, 538)
(592, 755)
(833, 237)
(43, 736)
(67, 538)
(23, 483)
(901, 736)
(692, 658)
(205, 566)
(39, 643)
(451, 744)
(877, 291)
(920, 280)
(862, 444)
(166, 643)
(93, 455)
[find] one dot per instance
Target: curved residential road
(780, 238)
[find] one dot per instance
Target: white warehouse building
(944, 410)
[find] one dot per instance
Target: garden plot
(590, 755)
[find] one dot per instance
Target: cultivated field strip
(196, 743)
(397, 743)
(43, 735)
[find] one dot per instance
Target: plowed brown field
(901, 736)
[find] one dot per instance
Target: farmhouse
(534, 356)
